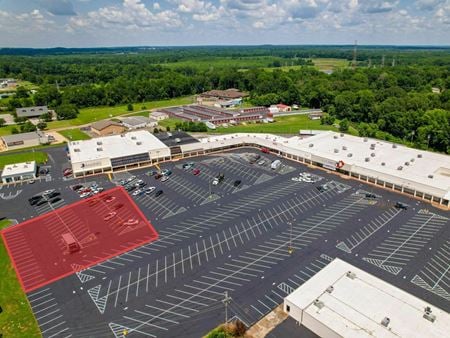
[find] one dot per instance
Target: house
(138, 122)
(222, 98)
(107, 127)
(31, 111)
(315, 115)
(158, 116)
(17, 141)
(19, 171)
(283, 108)
(8, 83)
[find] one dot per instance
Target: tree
(21, 92)
(47, 117)
(27, 127)
(14, 130)
(155, 131)
(343, 125)
(2, 122)
(66, 111)
(167, 128)
(41, 125)
(130, 107)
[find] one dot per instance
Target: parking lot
(257, 239)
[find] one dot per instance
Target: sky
(103, 23)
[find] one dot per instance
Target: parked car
(188, 165)
(138, 192)
(131, 222)
(131, 179)
(166, 172)
(158, 176)
(196, 171)
(219, 178)
(109, 199)
(237, 183)
(67, 172)
(152, 172)
(35, 199)
(44, 171)
(164, 178)
(262, 162)
(265, 150)
(85, 194)
(41, 202)
(54, 200)
(138, 183)
(159, 192)
(400, 205)
(149, 190)
(77, 187)
(275, 164)
(48, 192)
(370, 196)
(53, 194)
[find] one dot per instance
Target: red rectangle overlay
(70, 239)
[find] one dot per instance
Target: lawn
(282, 125)
(329, 63)
(88, 115)
(6, 130)
(170, 122)
(74, 134)
(17, 319)
(38, 156)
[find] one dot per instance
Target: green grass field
(17, 319)
(241, 62)
(38, 156)
(74, 134)
(6, 130)
(170, 122)
(88, 115)
(330, 64)
(282, 125)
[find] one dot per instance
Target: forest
(391, 93)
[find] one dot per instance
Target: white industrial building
(138, 122)
(19, 172)
(422, 174)
(117, 152)
(344, 301)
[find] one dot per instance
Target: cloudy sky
(87, 23)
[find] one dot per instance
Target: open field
(38, 156)
(329, 63)
(282, 125)
(74, 134)
(226, 62)
(170, 122)
(88, 115)
(7, 130)
(17, 319)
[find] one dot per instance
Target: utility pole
(226, 301)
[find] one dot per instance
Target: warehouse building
(138, 122)
(107, 127)
(344, 301)
(19, 172)
(117, 152)
(158, 116)
(24, 140)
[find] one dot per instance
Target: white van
(275, 164)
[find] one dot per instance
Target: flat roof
(132, 143)
(136, 120)
(360, 301)
(19, 168)
(407, 164)
(21, 137)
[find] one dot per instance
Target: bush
(27, 127)
(14, 131)
(130, 107)
(42, 125)
(344, 125)
(155, 131)
(66, 111)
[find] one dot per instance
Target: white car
(164, 178)
(215, 181)
(131, 222)
(149, 190)
(137, 192)
(297, 179)
(131, 178)
(85, 194)
(109, 216)
(48, 192)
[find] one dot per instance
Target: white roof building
(19, 171)
(344, 301)
(107, 153)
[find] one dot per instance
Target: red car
(265, 150)
(67, 172)
(196, 172)
(158, 176)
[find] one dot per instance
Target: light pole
(226, 301)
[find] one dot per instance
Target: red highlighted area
(75, 237)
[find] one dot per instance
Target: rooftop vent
(419, 155)
(367, 159)
(365, 139)
(351, 275)
(342, 134)
(399, 167)
(349, 155)
(318, 303)
(77, 150)
(122, 135)
(99, 143)
(311, 145)
(335, 136)
(406, 163)
(133, 137)
(385, 322)
(344, 148)
(428, 314)
(412, 160)
(430, 176)
(372, 154)
(330, 289)
(383, 163)
(138, 143)
(99, 149)
(336, 150)
(394, 146)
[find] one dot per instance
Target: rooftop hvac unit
(99, 143)
(372, 154)
(394, 146)
(336, 150)
(349, 155)
(344, 148)
(419, 155)
(330, 289)
(428, 315)
(311, 145)
(383, 163)
(318, 303)
(365, 139)
(399, 168)
(406, 163)
(385, 321)
(342, 134)
(133, 137)
(430, 176)
(412, 160)
(367, 159)
(350, 275)
(138, 143)
(77, 150)
(335, 136)
(99, 149)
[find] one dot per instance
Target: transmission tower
(354, 54)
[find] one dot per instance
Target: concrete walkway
(267, 323)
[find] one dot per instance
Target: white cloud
(428, 5)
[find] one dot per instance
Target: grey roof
(21, 137)
(137, 120)
(31, 111)
(100, 125)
